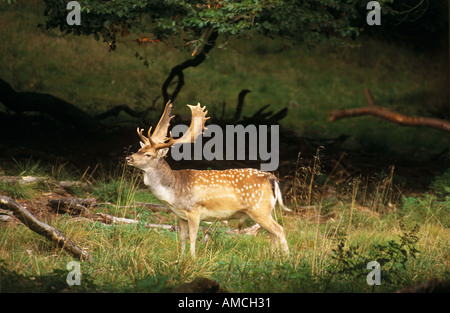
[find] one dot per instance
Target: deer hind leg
(275, 230)
(241, 222)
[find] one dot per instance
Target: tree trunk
(240, 104)
(44, 103)
(177, 71)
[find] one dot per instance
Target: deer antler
(159, 137)
(144, 140)
(197, 126)
(160, 133)
(168, 144)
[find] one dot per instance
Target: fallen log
(28, 180)
(5, 215)
(23, 180)
(72, 206)
(109, 219)
(49, 232)
(372, 109)
(154, 207)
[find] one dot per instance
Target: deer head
(155, 146)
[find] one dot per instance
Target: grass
(327, 254)
(124, 256)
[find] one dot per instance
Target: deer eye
(148, 155)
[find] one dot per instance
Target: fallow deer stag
(196, 195)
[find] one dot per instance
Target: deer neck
(162, 181)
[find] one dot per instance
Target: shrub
(394, 257)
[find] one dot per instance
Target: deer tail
(278, 195)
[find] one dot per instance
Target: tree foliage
(189, 22)
(200, 25)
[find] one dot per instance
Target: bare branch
(372, 109)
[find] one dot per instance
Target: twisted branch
(372, 109)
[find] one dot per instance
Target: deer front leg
(193, 221)
(183, 234)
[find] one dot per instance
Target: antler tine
(141, 135)
(197, 127)
(160, 133)
(150, 137)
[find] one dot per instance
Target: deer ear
(142, 144)
(163, 152)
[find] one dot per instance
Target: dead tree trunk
(240, 104)
(57, 108)
(42, 229)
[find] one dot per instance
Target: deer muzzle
(129, 160)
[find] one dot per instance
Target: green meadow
(331, 238)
